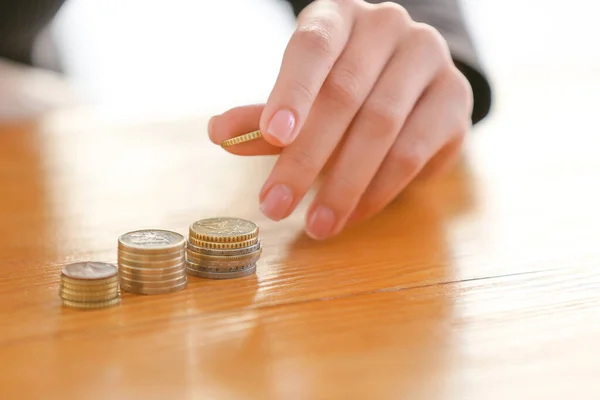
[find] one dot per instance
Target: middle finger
(344, 90)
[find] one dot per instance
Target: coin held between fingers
(242, 138)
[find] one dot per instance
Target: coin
(223, 252)
(137, 289)
(152, 264)
(149, 272)
(223, 264)
(88, 297)
(91, 305)
(222, 269)
(89, 285)
(242, 138)
(144, 258)
(223, 246)
(152, 261)
(151, 241)
(152, 278)
(157, 284)
(210, 257)
(89, 270)
(223, 229)
(222, 275)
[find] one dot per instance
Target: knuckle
(302, 89)
(316, 37)
(407, 160)
(458, 88)
(383, 116)
(345, 3)
(343, 87)
(463, 88)
(347, 189)
(430, 38)
(300, 163)
(391, 15)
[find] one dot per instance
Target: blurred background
(139, 58)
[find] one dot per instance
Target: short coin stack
(223, 248)
(89, 285)
(152, 261)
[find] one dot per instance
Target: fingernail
(321, 223)
(277, 202)
(282, 126)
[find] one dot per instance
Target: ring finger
(370, 137)
(420, 139)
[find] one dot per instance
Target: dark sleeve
(446, 16)
(20, 23)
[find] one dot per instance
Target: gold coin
(91, 305)
(99, 287)
(223, 252)
(100, 292)
(151, 241)
(217, 245)
(88, 298)
(223, 230)
(242, 138)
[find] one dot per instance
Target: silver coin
(89, 270)
(150, 257)
(140, 277)
(151, 271)
(222, 264)
(152, 264)
(221, 275)
(151, 241)
(154, 284)
(200, 268)
(191, 254)
(225, 252)
(150, 291)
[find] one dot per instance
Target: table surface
(482, 284)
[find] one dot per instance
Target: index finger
(323, 30)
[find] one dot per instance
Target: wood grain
(482, 284)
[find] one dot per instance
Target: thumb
(238, 121)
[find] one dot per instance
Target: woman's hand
(364, 89)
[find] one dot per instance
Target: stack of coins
(89, 285)
(152, 262)
(223, 248)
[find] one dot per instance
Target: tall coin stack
(152, 261)
(89, 285)
(223, 248)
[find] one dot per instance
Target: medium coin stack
(89, 285)
(152, 261)
(223, 248)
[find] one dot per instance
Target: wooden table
(482, 285)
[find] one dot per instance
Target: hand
(368, 92)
